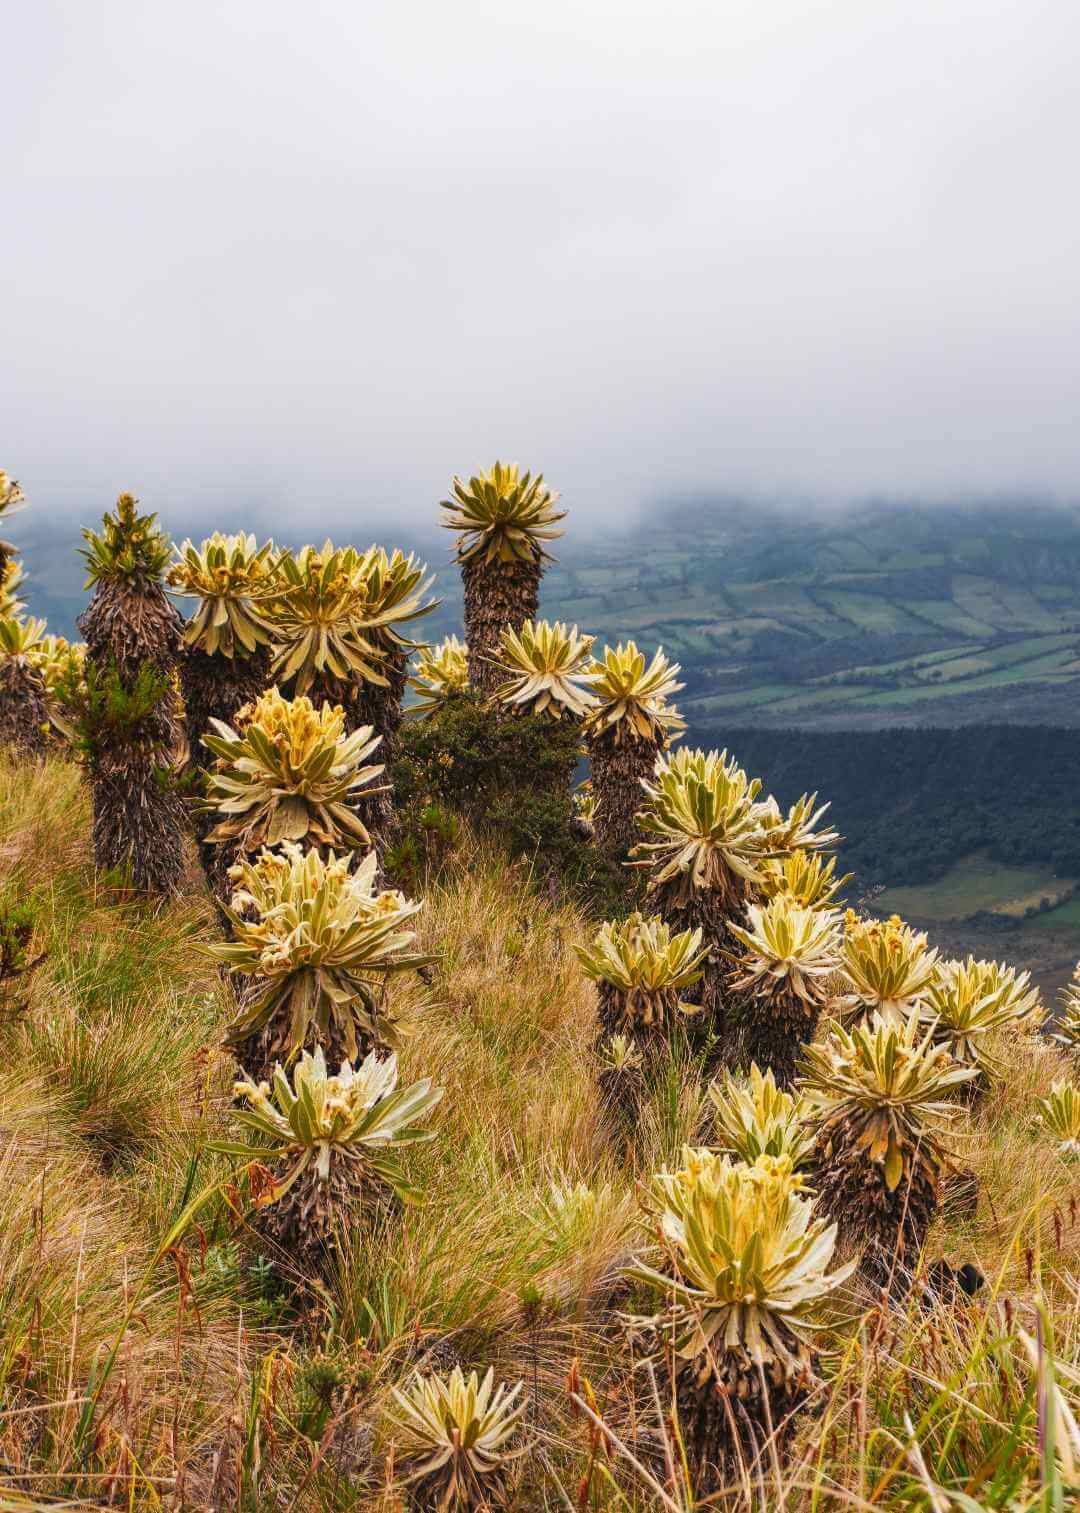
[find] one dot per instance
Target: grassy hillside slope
(147, 1362)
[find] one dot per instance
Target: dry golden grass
(134, 1372)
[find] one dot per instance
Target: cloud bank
(303, 264)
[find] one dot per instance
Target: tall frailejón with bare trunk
(631, 723)
(127, 719)
(502, 518)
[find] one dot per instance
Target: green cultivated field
(978, 884)
(883, 616)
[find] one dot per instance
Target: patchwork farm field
(978, 884)
(882, 616)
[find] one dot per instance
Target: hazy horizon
(310, 266)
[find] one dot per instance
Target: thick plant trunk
(776, 1028)
(727, 1415)
(381, 708)
(617, 771)
(138, 820)
(24, 715)
(889, 1227)
(131, 624)
(138, 816)
(303, 1228)
(215, 688)
(497, 595)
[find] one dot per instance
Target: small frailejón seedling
(752, 1118)
(24, 714)
(396, 592)
(641, 967)
(972, 1001)
(1067, 1026)
(632, 721)
(502, 519)
(290, 773)
(620, 1075)
(319, 941)
(887, 966)
(127, 726)
(881, 1096)
(785, 961)
(743, 1263)
(336, 1141)
(315, 610)
(227, 658)
(441, 673)
(453, 1439)
(1059, 1115)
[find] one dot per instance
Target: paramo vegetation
(392, 1116)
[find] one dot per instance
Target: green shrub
(507, 774)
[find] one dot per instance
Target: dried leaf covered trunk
(131, 623)
(497, 594)
(216, 687)
(728, 1413)
(890, 1227)
(24, 717)
(776, 1026)
(302, 1228)
(617, 770)
(137, 820)
(138, 817)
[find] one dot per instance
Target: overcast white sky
(311, 259)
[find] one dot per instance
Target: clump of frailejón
(709, 842)
(454, 1439)
(741, 1271)
(317, 941)
(882, 1098)
(335, 1142)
